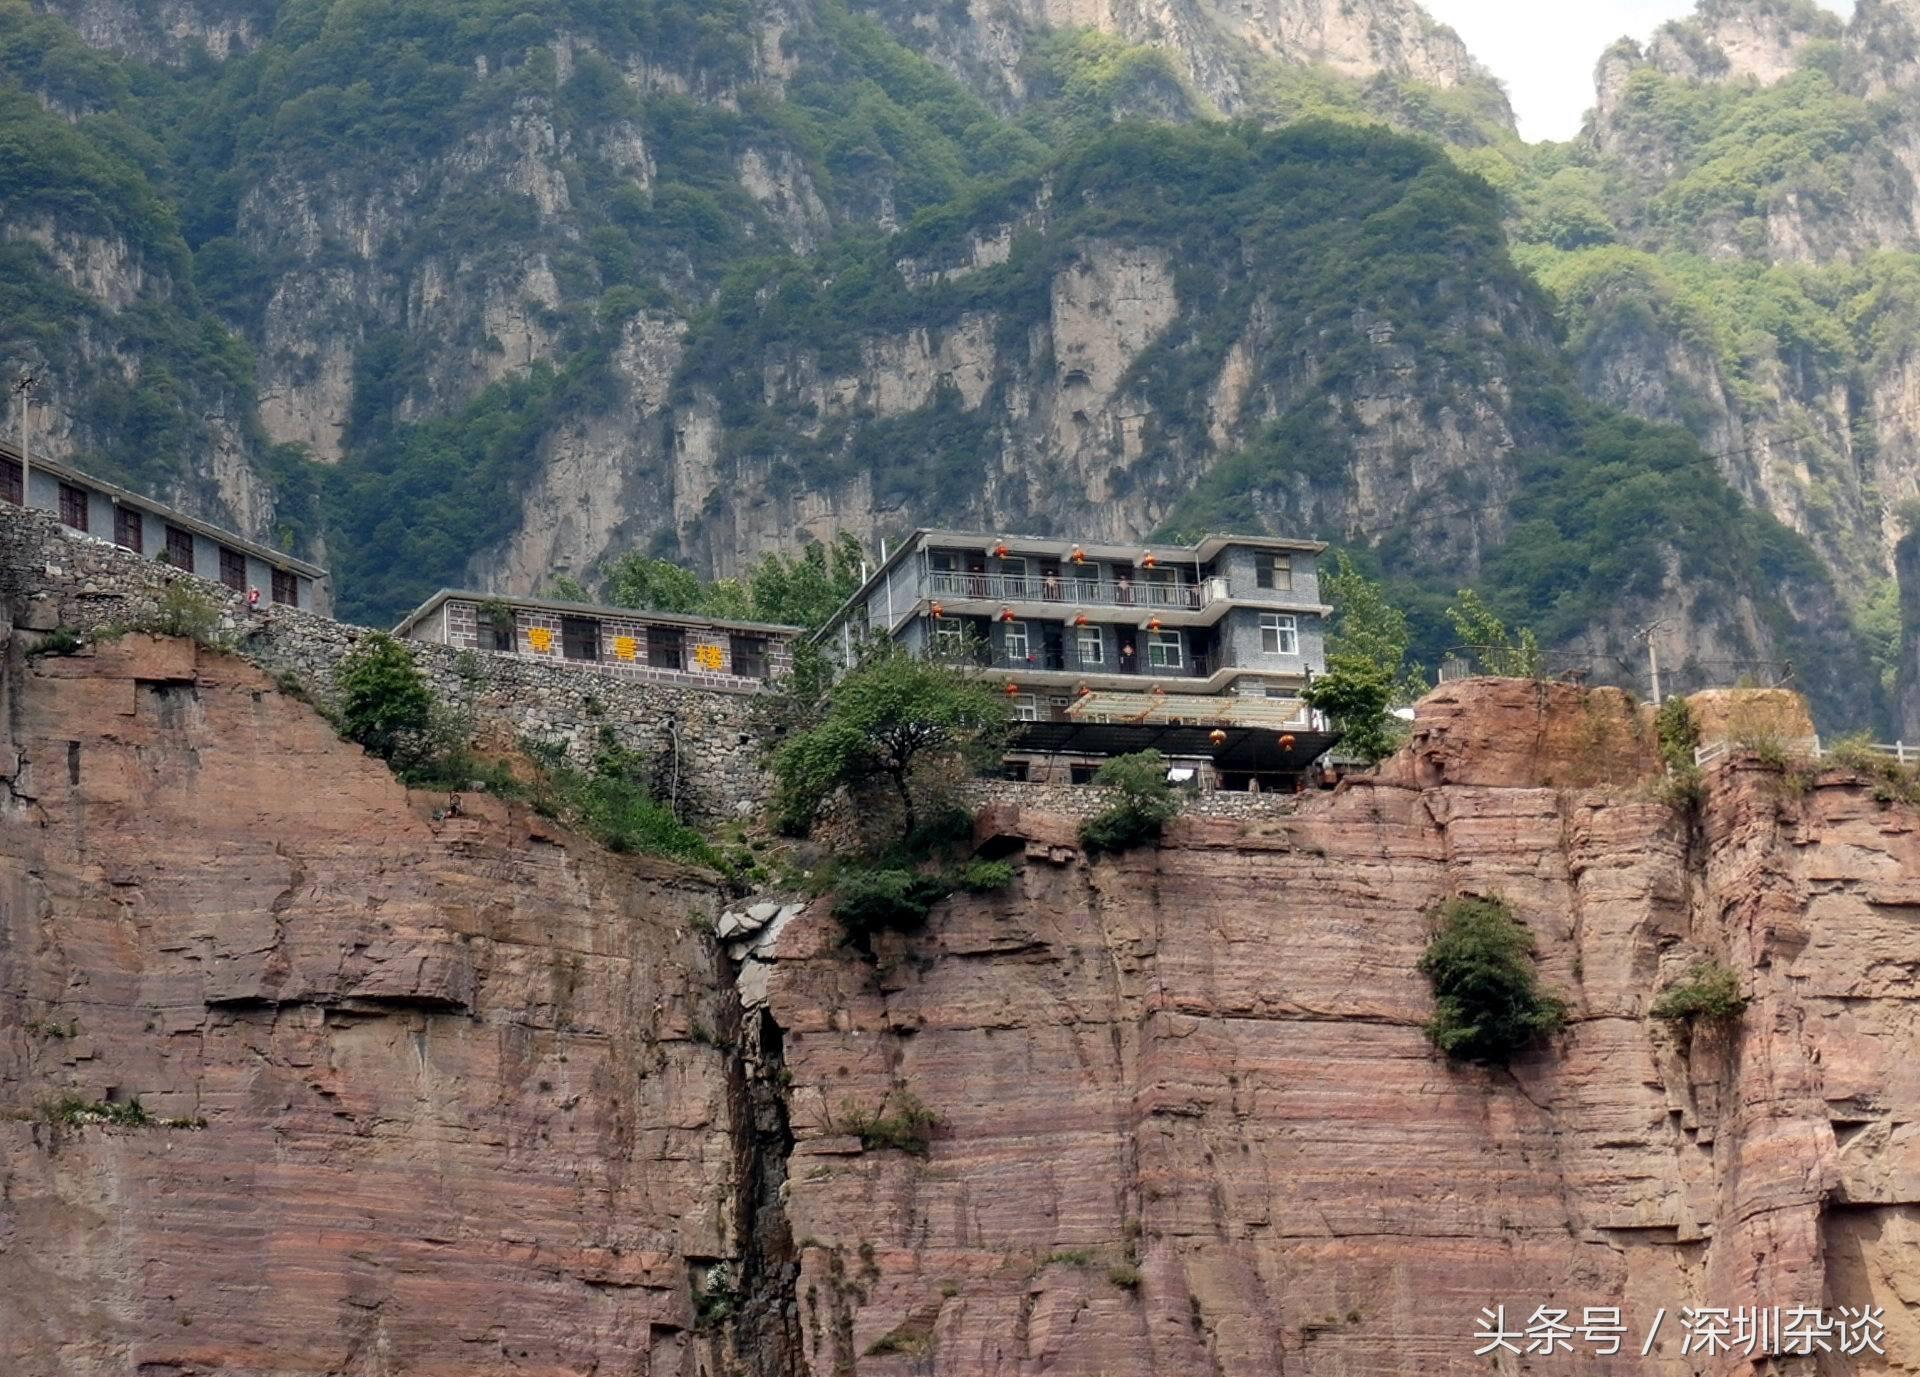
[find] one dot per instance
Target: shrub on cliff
(1487, 1000)
(889, 900)
(1679, 736)
(1710, 993)
(908, 1127)
(385, 703)
(182, 610)
(1146, 803)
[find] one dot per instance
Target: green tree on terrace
(1485, 636)
(1366, 664)
(797, 590)
(893, 719)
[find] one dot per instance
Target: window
(126, 529)
(1274, 571)
(1015, 769)
(1163, 649)
(233, 569)
(179, 549)
(750, 656)
(505, 633)
(949, 637)
(1026, 708)
(1014, 571)
(10, 481)
(73, 506)
(580, 638)
(1016, 643)
(286, 588)
(666, 647)
(1279, 634)
(1282, 691)
(1082, 774)
(1092, 646)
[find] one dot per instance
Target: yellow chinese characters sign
(542, 638)
(625, 647)
(709, 657)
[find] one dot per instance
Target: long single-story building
(667, 646)
(93, 506)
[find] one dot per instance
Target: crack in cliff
(766, 1325)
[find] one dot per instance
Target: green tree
(1367, 626)
(1487, 1000)
(385, 703)
(1486, 637)
(1146, 804)
(654, 585)
(892, 718)
(806, 589)
(1356, 692)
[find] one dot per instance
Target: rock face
(454, 1115)
(1209, 1059)
(465, 1111)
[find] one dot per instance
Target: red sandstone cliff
(464, 1114)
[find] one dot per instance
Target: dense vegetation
(1472, 247)
(1487, 1002)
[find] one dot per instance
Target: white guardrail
(1810, 748)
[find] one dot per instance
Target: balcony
(1065, 661)
(1073, 592)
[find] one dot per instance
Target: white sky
(1545, 50)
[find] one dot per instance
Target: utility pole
(1653, 656)
(23, 391)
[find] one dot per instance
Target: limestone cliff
(446, 1089)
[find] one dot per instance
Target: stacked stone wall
(52, 577)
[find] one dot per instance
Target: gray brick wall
(50, 577)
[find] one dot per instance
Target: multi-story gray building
(1194, 641)
(108, 512)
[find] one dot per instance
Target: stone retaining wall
(1084, 800)
(51, 576)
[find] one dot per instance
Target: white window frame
(1279, 633)
(1158, 644)
(1093, 637)
(1026, 707)
(1016, 631)
(1013, 575)
(949, 638)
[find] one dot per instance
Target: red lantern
(1153, 623)
(939, 611)
(1217, 737)
(1000, 550)
(1148, 559)
(1080, 619)
(1006, 614)
(1013, 689)
(1286, 743)
(1079, 556)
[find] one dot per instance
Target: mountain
(490, 293)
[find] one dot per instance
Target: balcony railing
(1067, 662)
(1070, 591)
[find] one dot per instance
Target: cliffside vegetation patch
(1709, 993)
(1145, 802)
(1488, 1004)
